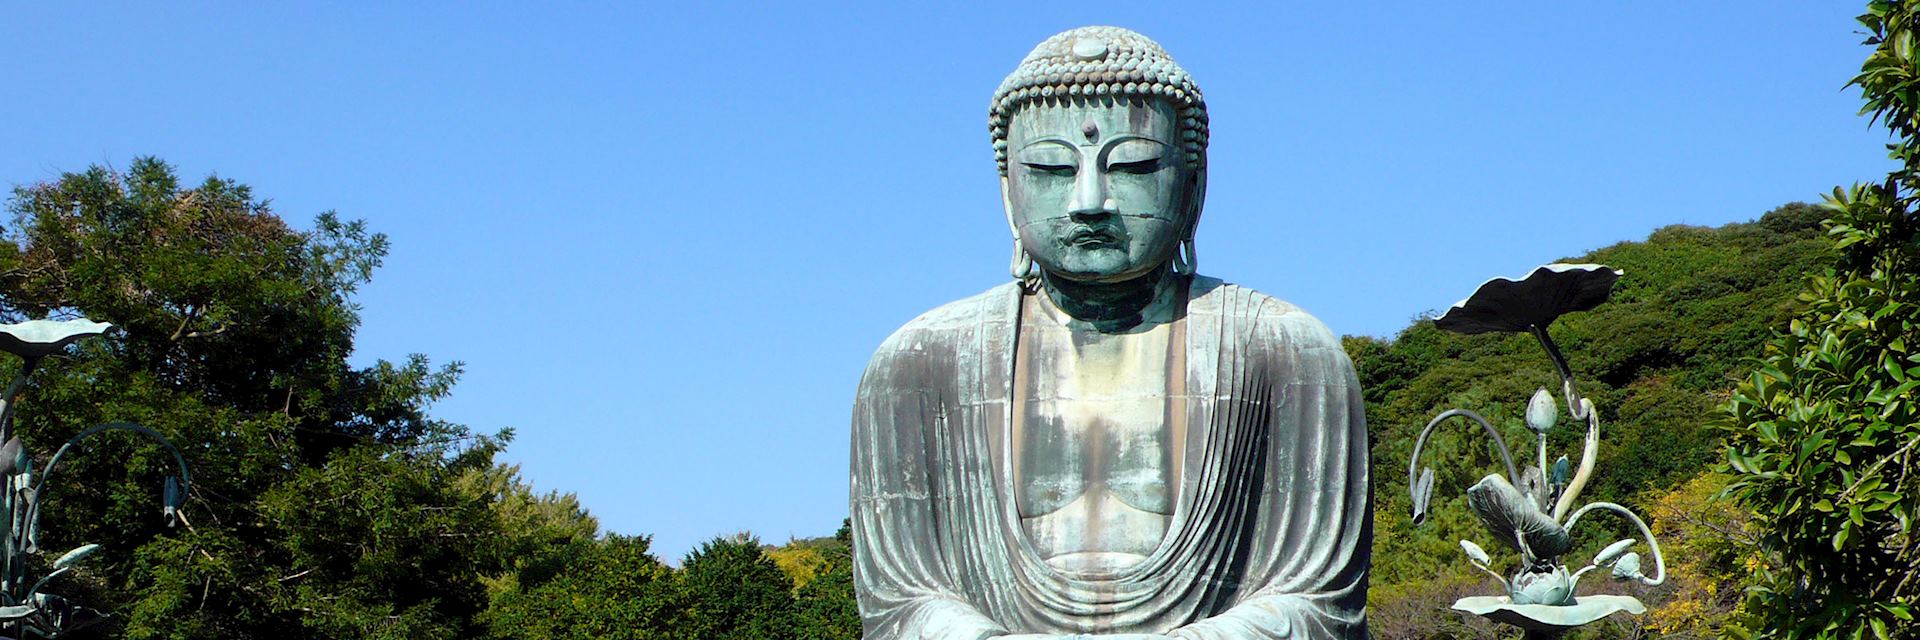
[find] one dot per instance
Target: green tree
(736, 592)
(824, 607)
(382, 545)
(1824, 435)
(613, 589)
(327, 502)
(543, 531)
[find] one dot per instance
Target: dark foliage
(736, 592)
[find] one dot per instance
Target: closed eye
(1148, 165)
(1065, 170)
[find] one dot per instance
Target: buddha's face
(1098, 191)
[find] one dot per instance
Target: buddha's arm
(902, 578)
(1273, 617)
(1308, 571)
(904, 591)
(1083, 637)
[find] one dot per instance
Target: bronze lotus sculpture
(1532, 511)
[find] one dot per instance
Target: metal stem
(1574, 404)
(47, 474)
(27, 365)
(13, 565)
(1505, 457)
(1659, 562)
(1581, 409)
(1546, 484)
(1589, 453)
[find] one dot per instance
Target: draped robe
(1270, 533)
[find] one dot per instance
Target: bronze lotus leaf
(1508, 514)
(11, 461)
(1546, 617)
(41, 338)
(1536, 300)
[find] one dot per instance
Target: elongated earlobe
(1186, 262)
(1022, 268)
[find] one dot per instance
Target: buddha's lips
(1089, 236)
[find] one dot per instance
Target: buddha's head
(1102, 146)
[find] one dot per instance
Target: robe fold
(1271, 528)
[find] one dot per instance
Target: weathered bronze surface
(1111, 445)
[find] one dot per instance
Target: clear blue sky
(665, 240)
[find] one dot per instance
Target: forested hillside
(1659, 360)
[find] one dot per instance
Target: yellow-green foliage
(1712, 555)
(800, 562)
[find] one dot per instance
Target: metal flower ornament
(25, 608)
(1532, 511)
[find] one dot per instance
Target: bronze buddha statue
(1111, 445)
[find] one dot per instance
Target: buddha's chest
(1094, 448)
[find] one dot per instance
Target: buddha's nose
(1090, 196)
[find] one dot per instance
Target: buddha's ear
(1022, 267)
(1196, 201)
(1006, 204)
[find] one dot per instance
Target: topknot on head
(1100, 63)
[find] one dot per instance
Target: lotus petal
(1612, 552)
(1475, 553)
(1628, 568)
(10, 457)
(1542, 412)
(1543, 587)
(1549, 292)
(41, 338)
(28, 500)
(75, 556)
(1507, 513)
(1534, 484)
(171, 499)
(1422, 495)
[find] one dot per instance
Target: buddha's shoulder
(946, 324)
(1267, 316)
